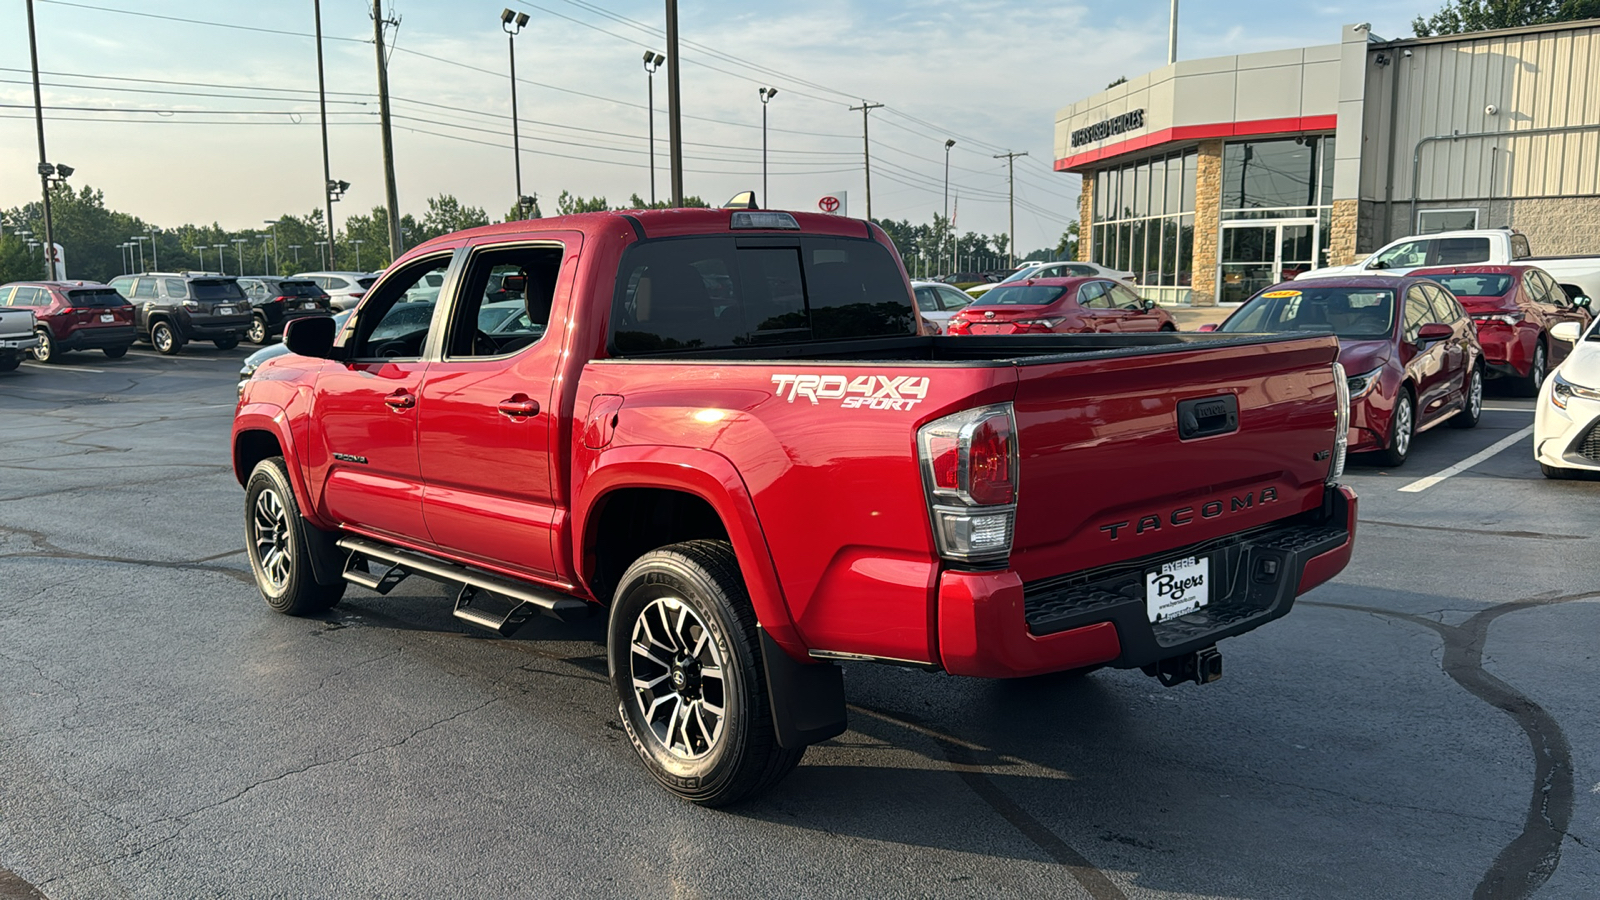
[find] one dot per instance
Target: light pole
(674, 108)
(45, 169)
(202, 251)
(950, 142)
(321, 245)
(322, 105)
(122, 256)
(358, 244)
(766, 97)
(511, 23)
(264, 238)
(652, 62)
(222, 261)
(155, 258)
(141, 239)
(277, 265)
(296, 249)
(239, 243)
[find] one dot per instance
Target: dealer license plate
(107, 317)
(1178, 588)
(224, 310)
(310, 305)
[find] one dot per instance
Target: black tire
(276, 543)
(1169, 328)
(259, 334)
(1537, 371)
(1472, 409)
(167, 340)
(10, 361)
(1404, 418)
(690, 602)
(116, 352)
(46, 352)
(227, 343)
(1559, 474)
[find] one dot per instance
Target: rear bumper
(18, 343)
(233, 326)
(98, 338)
(992, 625)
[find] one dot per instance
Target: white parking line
(1521, 409)
(1423, 484)
(34, 365)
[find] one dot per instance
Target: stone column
(1207, 223)
(1342, 228)
(1085, 217)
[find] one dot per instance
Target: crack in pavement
(1530, 535)
(1525, 864)
(51, 551)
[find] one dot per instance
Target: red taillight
(969, 469)
(958, 326)
(990, 466)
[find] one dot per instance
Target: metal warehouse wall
(1535, 77)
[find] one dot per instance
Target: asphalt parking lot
(1424, 726)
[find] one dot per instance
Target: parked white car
(1577, 275)
(1566, 420)
(1064, 269)
(937, 302)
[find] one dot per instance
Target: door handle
(400, 400)
(519, 406)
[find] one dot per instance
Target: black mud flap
(327, 560)
(807, 700)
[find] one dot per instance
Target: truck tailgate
(1107, 477)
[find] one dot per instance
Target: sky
(205, 110)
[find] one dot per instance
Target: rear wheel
(227, 343)
(1472, 408)
(275, 540)
(1169, 327)
(685, 660)
(46, 351)
(166, 339)
(1402, 428)
(258, 330)
(1529, 386)
(9, 361)
(116, 352)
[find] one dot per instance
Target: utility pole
(396, 243)
(322, 104)
(45, 169)
(674, 111)
(866, 146)
(1011, 190)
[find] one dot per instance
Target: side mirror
(1581, 302)
(1209, 326)
(1377, 264)
(1149, 304)
(312, 336)
(1567, 331)
(1434, 331)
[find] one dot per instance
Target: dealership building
(1212, 178)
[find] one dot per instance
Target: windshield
(1021, 295)
(216, 290)
(299, 289)
(1475, 285)
(1349, 312)
(1021, 274)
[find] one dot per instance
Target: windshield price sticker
(1177, 589)
(1278, 295)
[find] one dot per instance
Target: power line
(129, 12)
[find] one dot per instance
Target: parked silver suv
(345, 289)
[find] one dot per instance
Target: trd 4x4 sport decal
(861, 392)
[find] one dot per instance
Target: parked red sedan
(74, 315)
(1060, 306)
(1514, 308)
(1409, 350)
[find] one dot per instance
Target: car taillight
(958, 326)
(1341, 421)
(1498, 319)
(280, 299)
(969, 470)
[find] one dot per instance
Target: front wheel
(1529, 386)
(1472, 406)
(46, 351)
(116, 352)
(258, 333)
(1402, 428)
(275, 539)
(685, 660)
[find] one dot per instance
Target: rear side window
(217, 290)
(96, 297)
(1461, 251)
(369, 282)
(704, 293)
(175, 288)
(1519, 247)
(146, 289)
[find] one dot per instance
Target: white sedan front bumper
(1566, 438)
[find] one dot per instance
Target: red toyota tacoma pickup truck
(722, 430)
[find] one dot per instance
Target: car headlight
(1361, 385)
(1562, 390)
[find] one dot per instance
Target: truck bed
(969, 350)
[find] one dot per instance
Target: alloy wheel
(1475, 395)
(269, 526)
(1402, 426)
(258, 331)
(46, 348)
(1536, 374)
(161, 336)
(678, 680)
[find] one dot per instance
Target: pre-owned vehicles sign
(1111, 127)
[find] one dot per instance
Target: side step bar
(393, 565)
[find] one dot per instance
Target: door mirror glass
(312, 336)
(1567, 331)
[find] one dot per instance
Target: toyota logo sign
(828, 204)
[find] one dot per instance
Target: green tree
(567, 204)
(17, 262)
(690, 202)
(446, 214)
(1067, 247)
(372, 231)
(515, 213)
(1465, 16)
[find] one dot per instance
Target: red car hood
(1360, 357)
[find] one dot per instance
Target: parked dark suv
(171, 309)
(274, 302)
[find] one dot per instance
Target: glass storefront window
(1144, 222)
(1283, 173)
